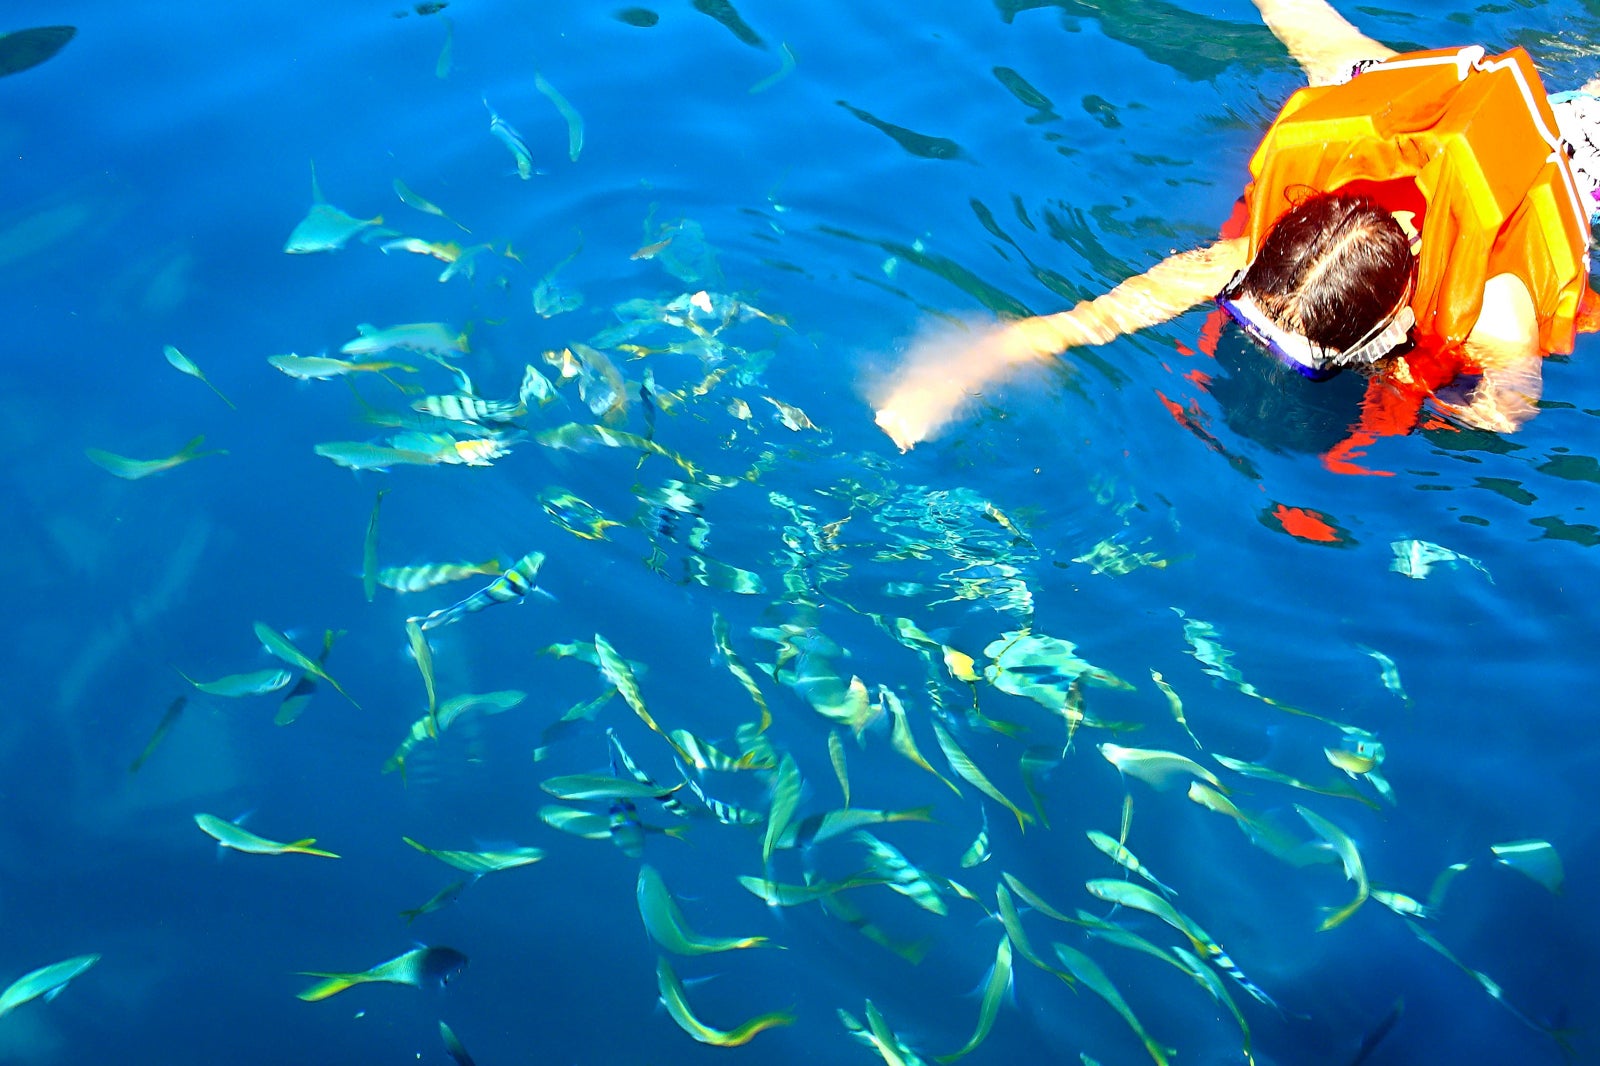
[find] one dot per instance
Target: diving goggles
(1311, 360)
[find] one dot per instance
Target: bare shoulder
(1507, 328)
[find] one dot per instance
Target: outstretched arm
(1504, 342)
(941, 374)
(1324, 44)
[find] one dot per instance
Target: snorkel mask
(1310, 360)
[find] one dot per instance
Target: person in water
(1422, 219)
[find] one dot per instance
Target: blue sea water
(919, 161)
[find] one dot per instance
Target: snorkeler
(1422, 219)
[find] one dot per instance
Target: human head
(1335, 269)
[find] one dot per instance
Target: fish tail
(916, 814)
(303, 847)
(330, 985)
(746, 1032)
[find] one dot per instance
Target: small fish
(1535, 858)
(785, 68)
(1011, 922)
(186, 365)
(1370, 1042)
(1089, 972)
(841, 769)
(902, 875)
(325, 368)
(705, 756)
(232, 835)
(666, 925)
(676, 1001)
(441, 66)
(481, 862)
(1174, 703)
(1390, 673)
(1137, 897)
(46, 981)
(472, 409)
(996, 984)
(420, 968)
(255, 683)
(978, 853)
(776, 894)
(785, 801)
(134, 469)
(325, 228)
(425, 576)
(968, 771)
(877, 1034)
(1159, 769)
(358, 455)
(1207, 978)
(903, 740)
(279, 645)
(1337, 788)
(454, 1047)
(429, 337)
(510, 587)
(1354, 870)
(23, 49)
(621, 761)
(791, 416)
(369, 551)
(568, 112)
(439, 900)
(168, 720)
(508, 136)
(300, 695)
(423, 655)
(589, 788)
(615, 669)
(817, 828)
(1119, 854)
(411, 199)
(726, 813)
(444, 251)
(1402, 904)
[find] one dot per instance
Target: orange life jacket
(1477, 136)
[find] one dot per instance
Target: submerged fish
(676, 1001)
(168, 720)
(666, 925)
(507, 135)
(255, 683)
(325, 228)
(429, 337)
(324, 368)
(481, 862)
(232, 835)
(183, 364)
(420, 968)
(134, 469)
(23, 49)
(46, 981)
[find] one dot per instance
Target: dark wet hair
(1332, 269)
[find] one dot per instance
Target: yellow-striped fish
(677, 1004)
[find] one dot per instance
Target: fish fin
(331, 984)
(303, 847)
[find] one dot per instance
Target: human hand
(948, 366)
